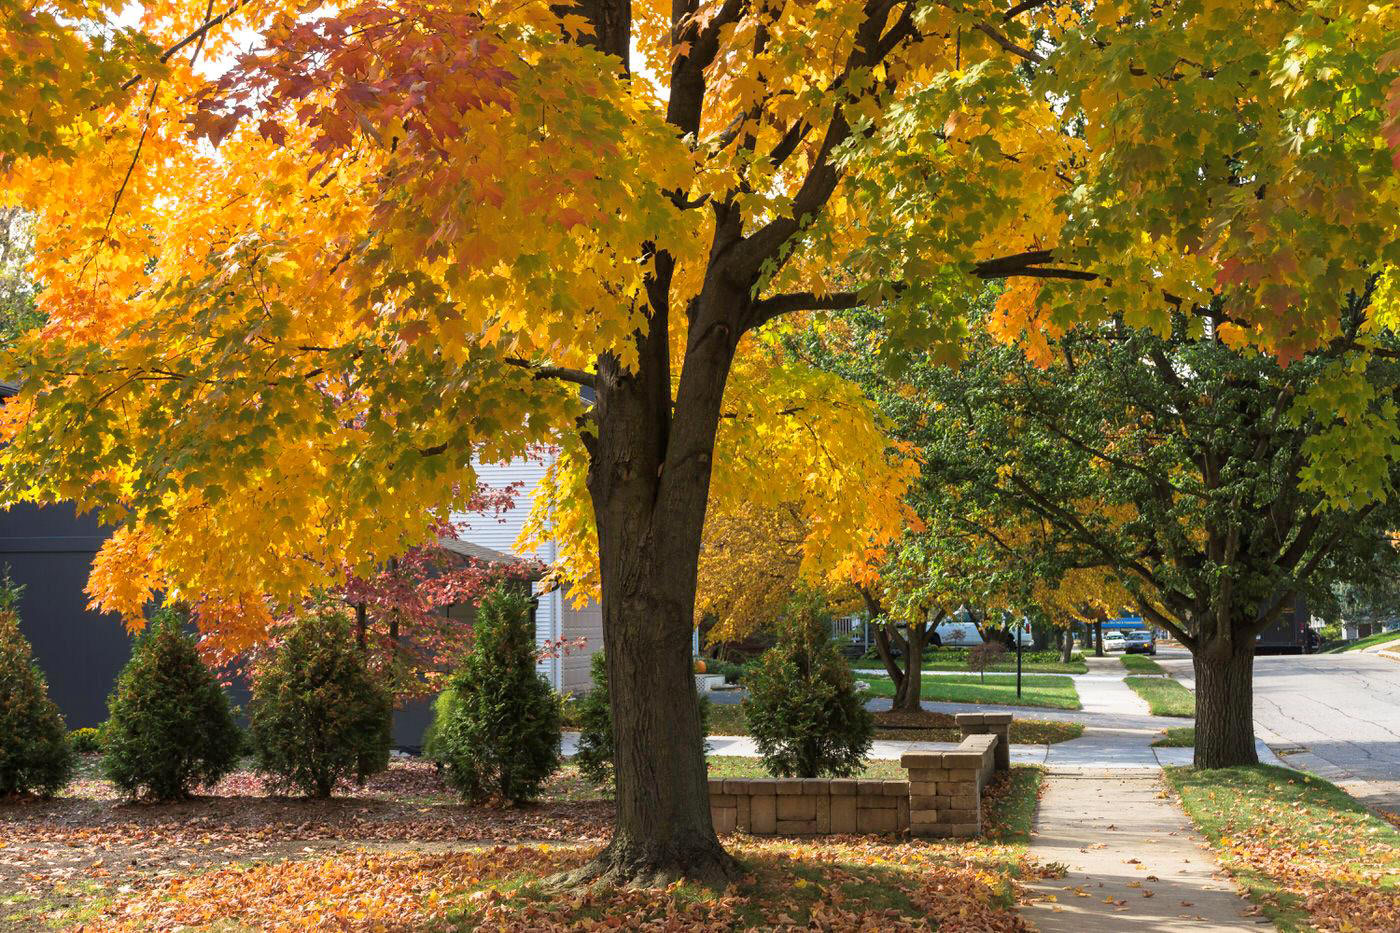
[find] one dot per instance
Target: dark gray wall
(50, 552)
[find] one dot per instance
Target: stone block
(759, 786)
(824, 813)
(996, 719)
(912, 760)
(896, 788)
(843, 786)
(901, 810)
(962, 829)
(919, 814)
(787, 786)
(964, 802)
(723, 800)
(928, 775)
(948, 788)
(923, 788)
(796, 808)
(923, 801)
(872, 820)
(959, 816)
(873, 788)
(743, 814)
(796, 827)
(716, 786)
(763, 815)
(967, 773)
(725, 819)
(843, 813)
(816, 786)
(964, 760)
(873, 802)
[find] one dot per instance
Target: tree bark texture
(1225, 703)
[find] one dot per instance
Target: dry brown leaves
(844, 884)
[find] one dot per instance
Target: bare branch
(562, 373)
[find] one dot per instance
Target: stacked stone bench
(943, 796)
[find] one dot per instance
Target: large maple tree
(292, 290)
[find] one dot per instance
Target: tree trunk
(649, 477)
(1225, 704)
(1098, 639)
(909, 692)
(1067, 644)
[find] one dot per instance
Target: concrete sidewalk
(1133, 860)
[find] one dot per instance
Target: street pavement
(1337, 715)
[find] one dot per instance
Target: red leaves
(375, 69)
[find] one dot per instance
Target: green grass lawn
(1307, 853)
(955, 659)
(1141, 664)
(1164, 696)
(1361, 643)
(1178, 737)
(728, 719)
(1046, 690)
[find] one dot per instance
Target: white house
(556, 617)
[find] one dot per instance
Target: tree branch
(556, 372)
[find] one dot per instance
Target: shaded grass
(1141, 664)
(1178, 737)
(1306, 852)
(1164, 696)
(1044, 690)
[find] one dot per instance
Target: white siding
(555, 618)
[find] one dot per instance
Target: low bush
(318, 713)
(803, 710)
(35, 756)
(86, 741)
(593, 715)
(169, 728)
(498, 732)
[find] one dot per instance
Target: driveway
(1341, 710)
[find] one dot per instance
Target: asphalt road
(1342, 710)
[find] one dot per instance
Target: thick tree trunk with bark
(1225, 703)
(1098, 639)
(1067, 644)
(649, 478)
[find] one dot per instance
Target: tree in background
(427, 228)
(803, 710)
(1196, 474)
(502, 735)
(750, 562)
(169, 728)
(34, 752)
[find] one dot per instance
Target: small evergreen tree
(34, 752)
(169, 727)
(803, 710)
(595, 743)
(318, 713)
(502, 734)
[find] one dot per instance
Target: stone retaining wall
(943, 796)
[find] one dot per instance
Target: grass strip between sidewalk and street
(1046, 690)
(1306, 852)
(1141, 664)
(1164, 696)
(1178, 737)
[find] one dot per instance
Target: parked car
(1114, 641)
(1139, 642)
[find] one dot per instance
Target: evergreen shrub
(35, 756)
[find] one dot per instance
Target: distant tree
(985, 655)
(34, 752)
(169, 727)
(803, 710)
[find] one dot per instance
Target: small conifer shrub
(35, 756)
(501, 734)
(319, 714)
(803, 710)
(169, 728)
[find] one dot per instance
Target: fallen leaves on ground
(1302, 847)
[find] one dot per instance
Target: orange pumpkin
(699, 666)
